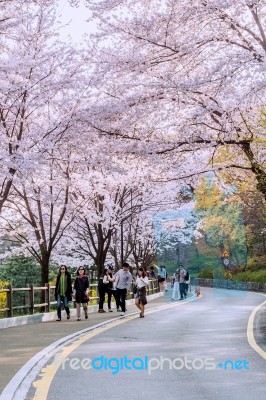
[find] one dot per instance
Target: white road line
(250, 330)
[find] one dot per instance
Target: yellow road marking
(250, 330)
(47, 374)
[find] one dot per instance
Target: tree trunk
(44, 278)
(256, 168)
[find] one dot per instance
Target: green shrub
(206, 273)
(251, 276)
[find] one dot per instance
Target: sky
(76, 19)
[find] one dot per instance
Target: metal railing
(229, 284)
(48, 305)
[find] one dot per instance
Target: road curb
(20, 383)
(51, 316)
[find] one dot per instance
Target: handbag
(135, 289)
(86, 297)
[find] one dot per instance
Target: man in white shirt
(123, 279)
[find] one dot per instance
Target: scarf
(63, 285)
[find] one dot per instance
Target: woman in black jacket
(81, 291)
(63, 291)
(105, 285)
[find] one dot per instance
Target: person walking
(142, 281)
(152, 273)
(63, 291)
(182, 284)
(165, 282)
(122, 284)
(105, 285)
(110, 291)
(161, 277)
(176, 285)
(187, 281)
(101, 290)
(81, 292)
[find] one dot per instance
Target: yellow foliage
(228, 275)
(226, 154)
(3, 297)
(207, 195)
(226, 228)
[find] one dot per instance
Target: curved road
(196, 350)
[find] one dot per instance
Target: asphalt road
(196, 350)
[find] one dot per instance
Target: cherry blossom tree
(190, 78)
(38, 74)
(38, 211)
(108, 204)
(96, 140)
(42, 85)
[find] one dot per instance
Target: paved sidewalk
(19, 344)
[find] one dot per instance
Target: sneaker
(58, 319)
(122, 314)
(118, 310)
(181, 298)
(86, 316)
(68, 316)
(78, 319)
(101, 311)
(110, 310)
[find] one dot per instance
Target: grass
(258, 276)
(251, 276)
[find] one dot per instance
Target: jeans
(101, 291)
(182, 288)
(58, 305)
(111, 293)
(121, 298)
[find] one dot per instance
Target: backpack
(187, 276)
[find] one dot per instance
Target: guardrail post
(10, 300)
(31, 298)
(47, 297)
(151, 286)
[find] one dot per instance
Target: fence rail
(229, 284)
(30, 305)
